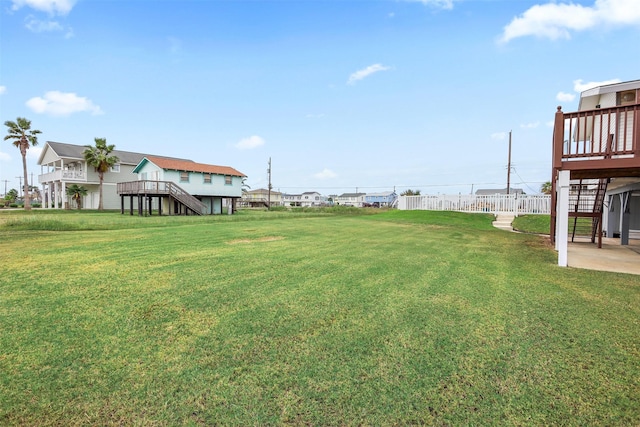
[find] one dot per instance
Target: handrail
(163, 187)
(602, 133)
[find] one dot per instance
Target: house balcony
(63, 175)
(600, 143)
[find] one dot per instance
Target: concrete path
(503, 221)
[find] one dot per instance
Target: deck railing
(608, 135)
(162, 187)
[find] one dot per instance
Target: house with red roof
(181, 187)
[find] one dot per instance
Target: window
(143, 176)
(207, 178)
(115, 168)
(184, 176)
(227, 179)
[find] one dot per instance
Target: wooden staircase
(162, 188)
(589, 204)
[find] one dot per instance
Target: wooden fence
(516, 204)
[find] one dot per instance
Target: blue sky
(342, 95)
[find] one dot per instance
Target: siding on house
(175, 170)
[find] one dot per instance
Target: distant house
(261, 198)
(387, 198)
(176, 183)
(351, 199)
(306, 199)
(494, 191)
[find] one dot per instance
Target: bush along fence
(516, 204)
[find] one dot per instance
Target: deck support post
(562, 218)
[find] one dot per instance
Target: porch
(590, 148)
(611, 257)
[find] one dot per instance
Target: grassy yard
(328, 318)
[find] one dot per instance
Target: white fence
(517, 204)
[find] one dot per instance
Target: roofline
(613, 87)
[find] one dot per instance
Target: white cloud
(37, 26)
(579, 86)
(443, 4)
(530, 125)
(499, 136)
(565, 97)
(326, 174)
(250, 143)
(4, 157)
(3, 89)
(557, 20)
(365, 72)
(62, 104)
(53, 7)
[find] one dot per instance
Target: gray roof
(491, 192)
(72, 151)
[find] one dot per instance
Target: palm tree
(77, 192)
(23, 137)
(245, 186)
(100, 158)
(546, 188)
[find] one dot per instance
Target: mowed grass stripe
(395, 318)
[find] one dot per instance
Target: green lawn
(326, 318)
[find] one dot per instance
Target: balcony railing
(63, 175)
(606, 138)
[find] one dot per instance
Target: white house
(63, 164)
(597, 148)
(351, 199)
(306, 199)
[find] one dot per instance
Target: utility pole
(20, 192)
(269, 187)
(509, 167)
(5, 186)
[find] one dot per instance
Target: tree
(99, 156)
(546, 188)
(410, 192)
(77, 192)
(245, 186)
(11, 196)
(23, 137)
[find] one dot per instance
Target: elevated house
(596, 166)
(261, 197)
(181, 187)
(63, 164)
